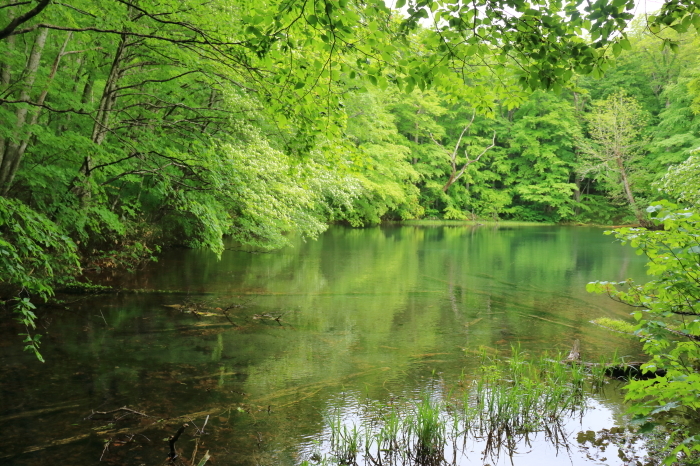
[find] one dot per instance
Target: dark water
(363, 315)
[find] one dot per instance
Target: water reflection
(377, 311)
(360, 431)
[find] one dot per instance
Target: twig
(106, 448)
(123, 408)
(225, 313)
(194, 453)
(103, 318)
(173, 455)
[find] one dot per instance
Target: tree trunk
(12, 155)
(5, 66)
(450, 182)
(109, 96)
(577, 193)
(101, 125)
(5, 77)
(37, 111)
(628, 191)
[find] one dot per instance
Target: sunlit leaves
(669, 325)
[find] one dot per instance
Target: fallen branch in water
(300, 392)
(106, 448)
(267, 316)
(173, 455)
(123, 408)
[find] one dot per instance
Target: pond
(267, 348)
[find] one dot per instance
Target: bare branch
(125, 33)
(154, 81)
(14, 4)
(454, 174)
(469, 162)
(47, 107)
(77, 9)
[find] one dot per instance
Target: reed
(345, 440)
(504, 402)
(427, 428)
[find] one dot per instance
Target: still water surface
(364, 316)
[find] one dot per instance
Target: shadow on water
(255, 351)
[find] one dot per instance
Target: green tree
(544, 141)
(681, 182)
(615, 126)
(668, 322)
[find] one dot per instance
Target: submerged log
(622, 371)
(632, 370)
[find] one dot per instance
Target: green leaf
(646, 428)
(204, 459)
(617, 48)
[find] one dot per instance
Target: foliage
(668, 318)
(615, 325)
(615, 125)
(681, 182)
(133, 126)
(545, 135)
(380, 169)
(34, 254)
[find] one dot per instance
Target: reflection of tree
(373, 311)
(388, 297)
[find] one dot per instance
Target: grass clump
(500, 405)
(518, 396)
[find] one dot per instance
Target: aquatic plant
(505, 402)
(345, 441)
(426, 429)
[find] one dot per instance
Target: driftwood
(575, 353)
(627, 370)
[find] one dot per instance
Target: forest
(148, 125)
(131, 126)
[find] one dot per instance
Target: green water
(364, 315)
